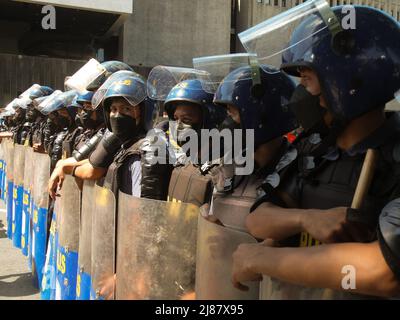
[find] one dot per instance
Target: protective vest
(113, 179)
(329, 182)
(56, 148)
(232, 209)
(68, 144)
(188, 185)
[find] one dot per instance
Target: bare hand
(37, 147)
(331, 226)
(56, 182)
(108, 287)
(243, 261)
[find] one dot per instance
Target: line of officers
(317, 218)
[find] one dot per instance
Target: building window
(283, 3)
(276, 2)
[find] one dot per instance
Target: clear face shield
(162, 79)
(397, 96)
(120, 78)
(84, 76)
(216, 68)
(57, 101)
(274, 38)
(28, 92)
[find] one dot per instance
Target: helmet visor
(84, 76)
(271, 39)
(57, 101)
(218, 67)
(27, 94)
(118, 76)
(162, 79)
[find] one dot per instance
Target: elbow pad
(103, 155)
(89, 146)
(389, 235)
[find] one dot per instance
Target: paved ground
(15, 277)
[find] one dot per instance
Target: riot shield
(26, 203)
(18, 193)
(2, 165)
(68, 242)
(41, 177)
(48, 284)
(215, 247)
(103, 244)
(10, 187)
(274, 289)
(84, 274)
(156, 249)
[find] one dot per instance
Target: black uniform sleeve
(389, 235)
(103, 154)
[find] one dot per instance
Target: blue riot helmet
(131, 87)
(192, 92)
(265, 112)
(85, 98)
(57, 101)
(110, 67)
(86, 110)
(37, 91)
(178, 85)
(239, 80)
(358, 66)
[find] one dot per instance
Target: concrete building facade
(143, 33)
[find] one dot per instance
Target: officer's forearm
(322, 267)
(270, 221)
(85, 171)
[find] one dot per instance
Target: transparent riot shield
(40, 206)
(26, 202)
(103, 244)
(84, 273)
(215, 247)
(68, 242)
(10, 187)
(2, 166)
(156, 249)
(18, 193)
(274, 289)
(48, 284)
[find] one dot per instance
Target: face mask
(63, 122)
(19, 118)
(230, 124)
(124, 127)
(51, 126)
(181, 132)
(31, 115)
(306, 108)
(86, 120)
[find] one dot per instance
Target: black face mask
(32, 115)
(87, 121)
(124, 127)
(63, 122)
(230, 124)
(59, 122)
(20, 118)
(51, 126)
(306, 108)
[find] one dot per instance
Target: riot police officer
(34, 118)
(61, 121)
(256, 107)
(322, 181)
